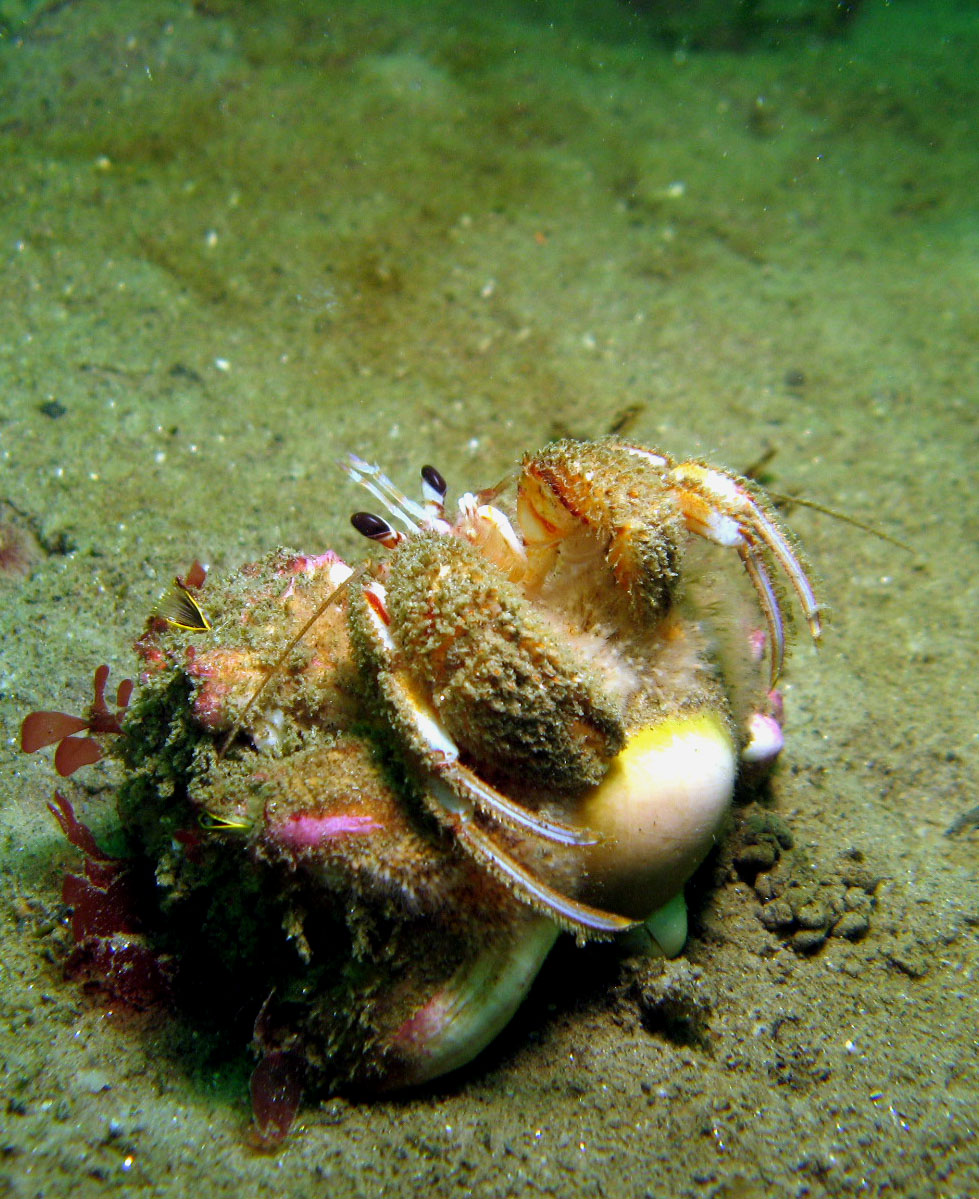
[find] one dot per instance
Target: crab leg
(433, 745)
(717, 506)
(567, 911)
(471, 787)
(457, 791)
(757, 572)
(761, 524)
(441, 755)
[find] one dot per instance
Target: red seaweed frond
(45, 728)
(48, 728)
(101, 720)
(110, 951)
(80, 835)
(194, 577)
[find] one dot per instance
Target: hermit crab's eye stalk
(376, 528)
(434, 488)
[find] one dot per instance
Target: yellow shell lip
(658, 811)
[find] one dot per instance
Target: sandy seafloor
(238, 240)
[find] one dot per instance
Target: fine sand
(239, 240)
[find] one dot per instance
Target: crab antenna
(372, 478)
(781, 497)
(276, 666)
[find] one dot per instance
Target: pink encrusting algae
(303, 831)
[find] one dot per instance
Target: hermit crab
(556, 659)
(367, 799)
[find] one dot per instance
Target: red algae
(99, 911)
(40, 729)
(80, 835)
(46, 728)
(306, 831)
(122, 966)
(75, 752)
(111, 954)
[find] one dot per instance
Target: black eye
(431, 478)
(374, 527)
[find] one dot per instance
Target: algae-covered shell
(299, 874)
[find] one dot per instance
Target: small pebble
(777, 914)
(852, 925)
(767, 887)
(808, 940)
(759, 856)
(812, 915)
(857, 900)
(92, 1081)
